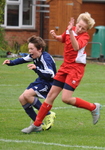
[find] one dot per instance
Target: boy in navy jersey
(70, 72)
(44, 66)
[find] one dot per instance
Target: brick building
(23, 18)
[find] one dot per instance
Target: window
(12, 15)
(27, 13)
(19, 14)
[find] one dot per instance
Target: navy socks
(29, 108)
(30, 111)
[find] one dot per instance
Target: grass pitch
(73, 128)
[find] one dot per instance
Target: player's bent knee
(67, 101)
(64, 100)
(21, 98)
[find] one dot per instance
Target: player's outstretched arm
(57, 37)
(6, 62)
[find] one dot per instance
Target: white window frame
(20, 3)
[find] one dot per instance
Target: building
(23, 18)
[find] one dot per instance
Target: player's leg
(72, 81)
(47, 105)
(41, 89)
(94, 108)
(29, 99)
(37, 104)
(27, 106)
(68, 99)
(49, 119)
(26, 99)
(44, 109)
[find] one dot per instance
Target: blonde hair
(87, 18)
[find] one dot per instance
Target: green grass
(73, 128)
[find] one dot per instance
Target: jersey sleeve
(20, 60)
(63, 37)
(83, 40)
(48, 70)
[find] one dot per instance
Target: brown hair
(37, 41)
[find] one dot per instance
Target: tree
(3, 43)
(2, 4)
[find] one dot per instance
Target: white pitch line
(57, 108)
(54, 108)
(69, 107)
(52, 144)
(10, 85)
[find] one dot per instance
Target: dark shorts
(40, 88)
(63, 85)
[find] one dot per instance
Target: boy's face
(81, 27)
(35, 53)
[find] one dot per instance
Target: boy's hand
(71, 24)
(53, 34)
(6, 62)
(31, 66)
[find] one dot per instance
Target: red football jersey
(71, 56)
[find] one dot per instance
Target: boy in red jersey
(71, 71)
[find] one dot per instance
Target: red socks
(84, 104)
(44, 109)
